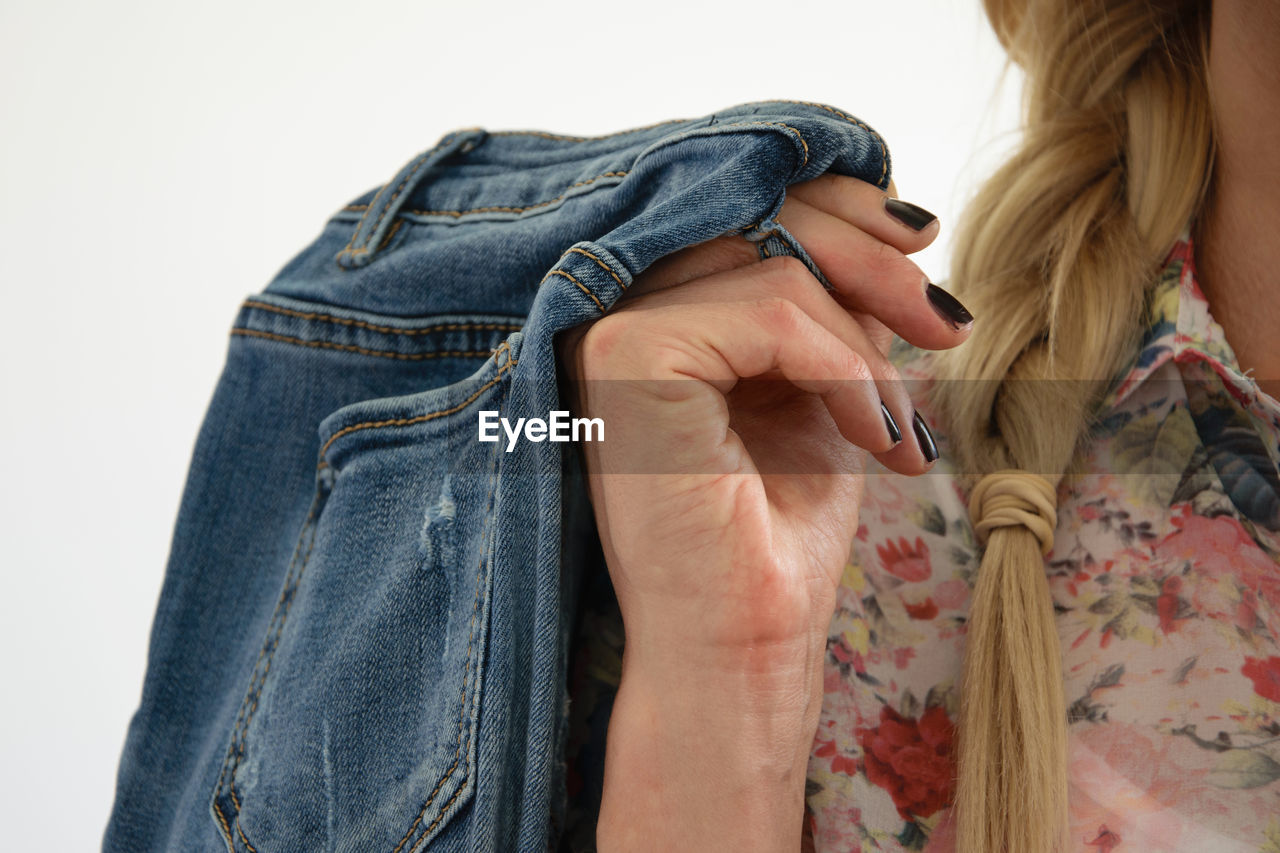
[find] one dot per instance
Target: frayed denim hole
(435, 542)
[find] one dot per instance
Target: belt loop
(379, 220)
(772, 239)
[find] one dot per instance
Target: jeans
(362, 637)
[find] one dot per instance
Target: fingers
(906, 227)
(822, 349)
(720, 343)
(875, 277)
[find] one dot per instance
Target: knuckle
(606, 336)
(857, 368)
(887, 371)
(886, 262)
(879, 366)
(780, 313)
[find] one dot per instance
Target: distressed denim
(362, 637)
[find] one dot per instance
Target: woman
(1064, 635)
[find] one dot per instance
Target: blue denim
(362, 638)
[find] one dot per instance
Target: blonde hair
(1056, 253)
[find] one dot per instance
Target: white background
(161, 160)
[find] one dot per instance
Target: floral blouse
(1165, 575)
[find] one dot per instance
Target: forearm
(709, 755)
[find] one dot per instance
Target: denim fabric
(362, 636)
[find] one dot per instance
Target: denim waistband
(476, 222)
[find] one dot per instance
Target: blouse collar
(1180, 328)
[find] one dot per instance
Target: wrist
(716, 761)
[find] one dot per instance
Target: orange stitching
(456, 213)
(416, 166)
(581, 287)
(505, 346)
(884, 162)
(422, 158)
(417, 419)
(387, 206)
(606, 267)
(262, 682)
(884, 153)
(291, 580)
(462, 712)
(288, 580)
(402, 356)
(456, 756)
(391, 232)
(345, 321)
(439, 817)
(798, 134)
(252, 849)
(275, 644)
(367, 208)
(803, 143)
(564, 138)
(222, 819)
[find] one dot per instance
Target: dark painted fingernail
(913, 216)
(891, 424)
(948, 307)
(924, 438)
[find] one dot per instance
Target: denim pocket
(357, 731)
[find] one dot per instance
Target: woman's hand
(740, 399)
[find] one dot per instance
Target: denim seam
(349, 250)
(504, 209)
(361, 324)
(243, 837)
(391, 233)
(471, 636)
(719, 128)
(417, 419)
(580, 285)
(612, 174)
(602, 264)
(262, 682)
(387, 205)
(391, 201)
(239, 733)
(804, 144)
(884, 153)
(222, 818)
(402, 356)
